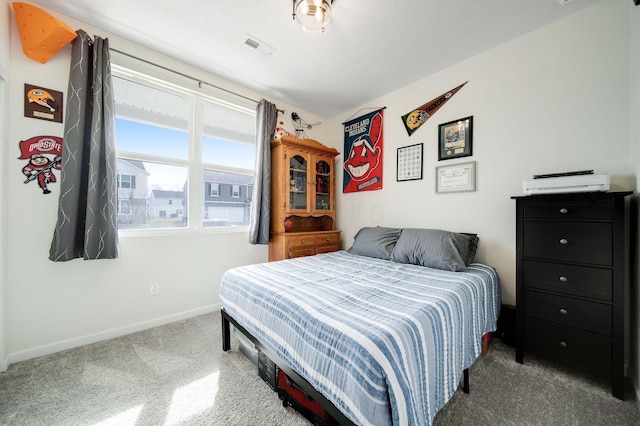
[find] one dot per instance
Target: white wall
(55, 306)
(553, 100)
(556, 99)
(5, 17)
(634, 138)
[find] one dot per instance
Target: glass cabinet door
(323, 186)
(298, 187)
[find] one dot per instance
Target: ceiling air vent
(252, 43)
(258, 45)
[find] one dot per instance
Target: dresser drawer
(301, 241)
(569, 242)
(589, 316)
(569, 210)
(301, 252)
(583, 281)
(329, 242)
(309, 244)
(328, 248)
(329, 239)
(570, 345)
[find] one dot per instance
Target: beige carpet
(177, 374)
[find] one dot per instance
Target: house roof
(159, 193)
(227, 177)
(135, 163)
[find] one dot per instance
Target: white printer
(566, 183)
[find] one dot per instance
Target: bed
(380, 334)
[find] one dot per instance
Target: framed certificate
(409, 163)
(459, 177)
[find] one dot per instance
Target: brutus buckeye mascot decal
(45, 155)
(363, 150)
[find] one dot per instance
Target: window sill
(163, 232)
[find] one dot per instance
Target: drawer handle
(304, 241)
(563, 344)
(564, 241)
(564, 279)
(564, 211)
(328, 239)
(563, 311)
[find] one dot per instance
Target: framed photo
(459, 177)
(455, 139)
(409, 163)
(42, 103)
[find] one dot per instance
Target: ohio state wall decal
(45, 155)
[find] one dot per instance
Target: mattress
(385, 342)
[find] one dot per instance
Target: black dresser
(571, 276)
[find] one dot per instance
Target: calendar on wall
(409, 162)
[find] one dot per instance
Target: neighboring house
(132, 193)
(166, 204)
(227, 196)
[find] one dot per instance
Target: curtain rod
(200, 82)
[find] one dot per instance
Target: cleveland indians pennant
(420, 115)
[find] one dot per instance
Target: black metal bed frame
(337, 415)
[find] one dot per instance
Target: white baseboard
(104, 335)
(4, 364)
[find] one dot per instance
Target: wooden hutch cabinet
(302, 199)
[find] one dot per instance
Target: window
(228, 153)
(124, 207)
(126, 181)
(228, 136)
(173, 138)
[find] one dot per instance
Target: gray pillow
(473, 247)
(375, 242)
(435, 248)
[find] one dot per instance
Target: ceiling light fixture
(312, 15)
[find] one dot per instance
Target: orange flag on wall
(420, 115)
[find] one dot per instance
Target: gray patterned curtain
(266, 119)
(87, 208)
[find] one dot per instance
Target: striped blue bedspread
(385, 342)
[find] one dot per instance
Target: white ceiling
(369, 49)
